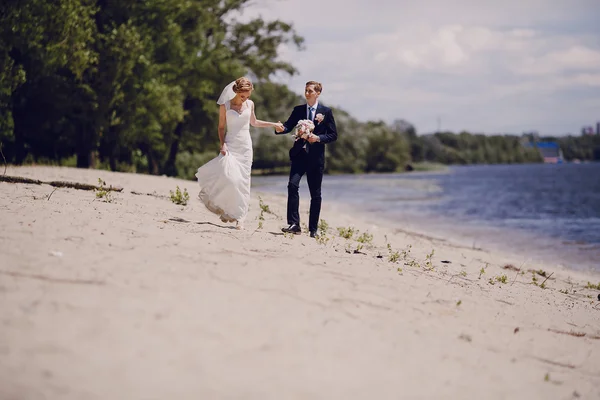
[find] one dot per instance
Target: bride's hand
(224, 149)
(279, 127)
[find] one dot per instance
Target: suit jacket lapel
(319, 110)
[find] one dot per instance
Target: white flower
(303, 129)
(319, 118)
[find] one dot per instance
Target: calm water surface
(542, 212)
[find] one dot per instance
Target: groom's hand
(279, 128)
(313, 138)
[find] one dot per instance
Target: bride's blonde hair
(242, 84)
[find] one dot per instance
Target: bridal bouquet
(303, 129)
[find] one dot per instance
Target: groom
(308, 157)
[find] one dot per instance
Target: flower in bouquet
(303, 129)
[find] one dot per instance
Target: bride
(225, 180)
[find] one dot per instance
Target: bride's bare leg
(239, 224)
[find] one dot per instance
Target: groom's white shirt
(315, 106)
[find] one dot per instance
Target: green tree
(38, 40)
(386, 151)
(348, 153)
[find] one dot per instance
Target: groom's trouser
(314, 176)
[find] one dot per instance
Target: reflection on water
(544, 212)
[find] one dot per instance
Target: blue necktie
(310, 117)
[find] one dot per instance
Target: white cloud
(573, 59)
(479, 67)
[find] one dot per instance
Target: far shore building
(551, 152)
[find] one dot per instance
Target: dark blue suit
(308, 158)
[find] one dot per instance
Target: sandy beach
(140, 298)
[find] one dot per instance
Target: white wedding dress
(225, 180)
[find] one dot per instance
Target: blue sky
(480, 65)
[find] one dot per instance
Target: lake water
(542, 212)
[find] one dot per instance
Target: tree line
(131, 86)
(125, 82)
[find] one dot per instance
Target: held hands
(279, 127)
(224, 149)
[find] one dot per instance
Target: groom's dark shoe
(313, 234)
(293, 228)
